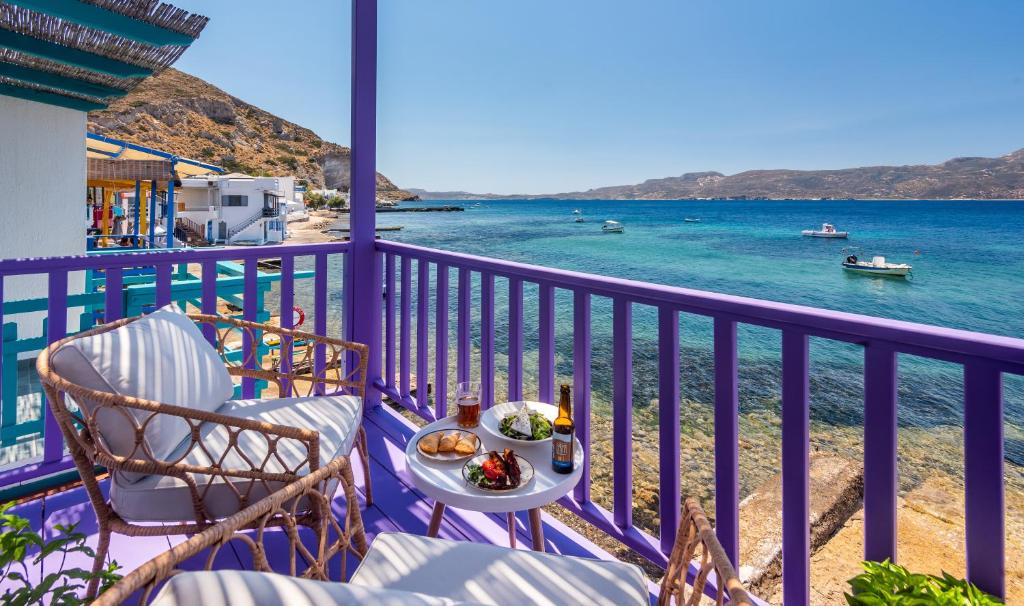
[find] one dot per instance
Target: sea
(968, 273)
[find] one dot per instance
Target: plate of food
(448, 445)
(498, 472)
(528, 422)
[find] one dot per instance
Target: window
(234, 200)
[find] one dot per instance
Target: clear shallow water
(968, 273)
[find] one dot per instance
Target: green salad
(540, 426)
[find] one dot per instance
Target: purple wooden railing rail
(984, 357)
(54, 272)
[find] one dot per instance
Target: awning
(82, 54)
(128, 161)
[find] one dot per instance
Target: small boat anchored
(691, 220)
(878, 266)
(827, 231)
(612, 227)
(577, 211)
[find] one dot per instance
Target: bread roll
(428, 444)
(449, 441)
(467, 444)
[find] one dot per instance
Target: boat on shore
(878, 266)
(612, 227)
(827, 231)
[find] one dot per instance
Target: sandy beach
(313, 230)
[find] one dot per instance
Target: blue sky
(540, 96)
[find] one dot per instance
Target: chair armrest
(296, 371)
(696, 534)
(349, 537)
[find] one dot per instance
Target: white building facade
(236, 209)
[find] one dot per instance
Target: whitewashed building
(236, 208)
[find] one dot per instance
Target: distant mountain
(185, 115)
(959, 178)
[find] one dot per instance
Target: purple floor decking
(397, 507)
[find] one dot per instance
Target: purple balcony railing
(983, 357)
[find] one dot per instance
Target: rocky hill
(959, 178)
(185, 115)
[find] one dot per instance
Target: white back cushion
(162, 357)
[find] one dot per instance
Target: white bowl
(491, 418)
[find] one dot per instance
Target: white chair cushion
(247, 588)
(494, 575)
(158, 498)
(162, 357)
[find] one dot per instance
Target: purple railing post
(250, 311)
(389, 320)
(112, 303)
(727, 466)
(983, 477)
(581, 385)
(287, 320)
(622, 412)
(422, 321)
(486, 340)
(546, 344)
(515, 339)
(796, 533)
(462, 343)
(441, 343)
(881, 478)
(56, 329)
(363, 309)
(405, 329)
(319, 320)
(163, 284)
(209, 297)
(669, 496)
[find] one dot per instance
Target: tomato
(493, 469)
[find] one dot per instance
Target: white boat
(877, 267)
(580, 220)
(612, 227)
(827, 231)
(577, 211)
(691, 220)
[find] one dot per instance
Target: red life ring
(298, 316)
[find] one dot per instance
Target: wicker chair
(232, 453)
(393, 575)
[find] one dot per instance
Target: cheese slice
(521, 422)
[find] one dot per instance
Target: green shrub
(335, 202)
(62, 587)
(885, 583)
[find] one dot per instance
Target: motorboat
(577, 211)
(612, 227)
(827, 231)
(580, 220)
(691, 220)
(878, 266)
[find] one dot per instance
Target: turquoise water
(968, 273)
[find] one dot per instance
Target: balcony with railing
(431, 318)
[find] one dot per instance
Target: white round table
(444, 483)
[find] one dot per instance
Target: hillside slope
(185, 115)
(963, 178)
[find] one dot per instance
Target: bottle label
(561, 447)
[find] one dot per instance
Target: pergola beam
(102, 19)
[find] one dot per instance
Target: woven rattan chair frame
(327, 366)
(333, 538)
(696, 543)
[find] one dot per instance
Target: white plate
(491, 418)
(448, 457)
(526, 473)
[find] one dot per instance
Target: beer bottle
(562, 450)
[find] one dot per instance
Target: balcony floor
(397, 507)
